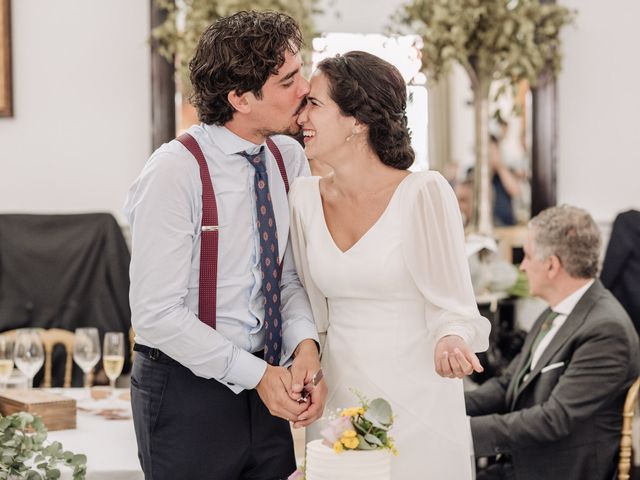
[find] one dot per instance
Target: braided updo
(373, 91)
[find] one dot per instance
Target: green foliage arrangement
(25, 455)
(512, 40)
(177, 37)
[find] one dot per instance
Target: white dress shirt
(164, 208)
(563, 309)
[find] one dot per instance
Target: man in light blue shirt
(206, 404)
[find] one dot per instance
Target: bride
(380, 251)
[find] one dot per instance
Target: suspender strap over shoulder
(278, 156)
(208, 238)
(209, 227)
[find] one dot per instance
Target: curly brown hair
(372, 90)
(239, 53)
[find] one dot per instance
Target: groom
(218, 310)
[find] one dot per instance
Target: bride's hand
(454, 358)
(306, 364)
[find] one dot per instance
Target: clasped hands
(280, 388)
(454, 358)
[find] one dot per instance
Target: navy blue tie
(269, 259)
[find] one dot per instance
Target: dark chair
(64, 272)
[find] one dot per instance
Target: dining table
(104, 433)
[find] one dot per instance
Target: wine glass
(86, 350)
(28, 353)
(6, 359)
(113, 358)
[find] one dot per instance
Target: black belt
(157, 356)
(154, 354)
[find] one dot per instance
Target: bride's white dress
(383, 305)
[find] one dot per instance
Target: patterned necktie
(269, 259)
(544, 329)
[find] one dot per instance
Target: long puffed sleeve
(299, 201)
(433, 249)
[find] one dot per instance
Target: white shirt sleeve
(161, 212)
(433, 248)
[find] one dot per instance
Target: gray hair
(570, 234)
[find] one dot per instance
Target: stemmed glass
(6, 359)
(28, 353)
(113, 358)
(86, 350)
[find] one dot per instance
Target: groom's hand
(454, 358)
(274, 388)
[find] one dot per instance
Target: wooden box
(57, 411)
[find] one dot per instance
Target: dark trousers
(191, 428)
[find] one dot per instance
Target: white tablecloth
(110, 445)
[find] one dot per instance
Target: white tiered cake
(324, 464)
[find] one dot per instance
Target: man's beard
(293, 129)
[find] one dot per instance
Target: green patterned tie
(546, 326)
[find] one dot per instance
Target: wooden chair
(51, 338)
(132, 336)
(624, 465)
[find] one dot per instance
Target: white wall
(81, 127)
(599, 109)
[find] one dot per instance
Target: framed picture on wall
(6, 103)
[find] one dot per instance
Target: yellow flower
(337, 447)
(393, 449)
(349, 434)
(349, 442)
(352, 412)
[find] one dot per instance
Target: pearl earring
(354, 132)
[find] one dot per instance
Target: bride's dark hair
(373, 91)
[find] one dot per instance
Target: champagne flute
(113, 358)
(28, 353)
(6, 359)
(86, 351)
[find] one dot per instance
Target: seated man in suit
(556, 412)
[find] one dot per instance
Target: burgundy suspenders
(209, 229)
(278, 156)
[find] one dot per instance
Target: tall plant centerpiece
(508, 40)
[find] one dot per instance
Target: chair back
(132, 337)
(51, 338)
(624, 465)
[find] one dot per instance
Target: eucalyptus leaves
(492, 39)
(24, 454)
(361, 428)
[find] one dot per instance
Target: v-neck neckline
(371, 228)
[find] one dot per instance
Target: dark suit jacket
(565, 422)
(621, 267)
